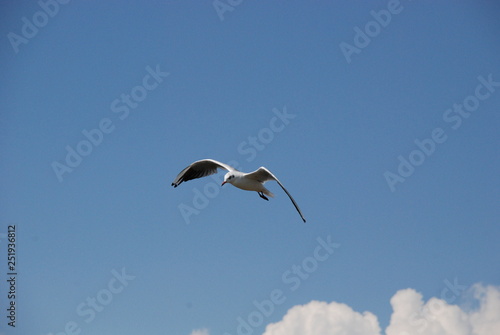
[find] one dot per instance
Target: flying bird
(253, 181)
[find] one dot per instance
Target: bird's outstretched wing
(198, 169)
(262, 175)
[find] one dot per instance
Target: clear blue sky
(171, 82)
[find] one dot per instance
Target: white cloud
(200, 332)
(436, 317)
(320, 318)
(486, 320)
(411, 316)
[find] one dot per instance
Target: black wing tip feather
(175, 184)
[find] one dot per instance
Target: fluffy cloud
(321, 318)
(436, 317)
(200, 332)
(411, 316)
(487, 319)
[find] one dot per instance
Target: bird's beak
(223, 183)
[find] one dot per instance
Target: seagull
(253, 181)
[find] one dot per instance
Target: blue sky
(137, 91)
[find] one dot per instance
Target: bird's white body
(253, 181)
(247, 184)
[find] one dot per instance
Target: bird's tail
(268, 193)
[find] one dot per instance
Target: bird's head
(228, 178)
